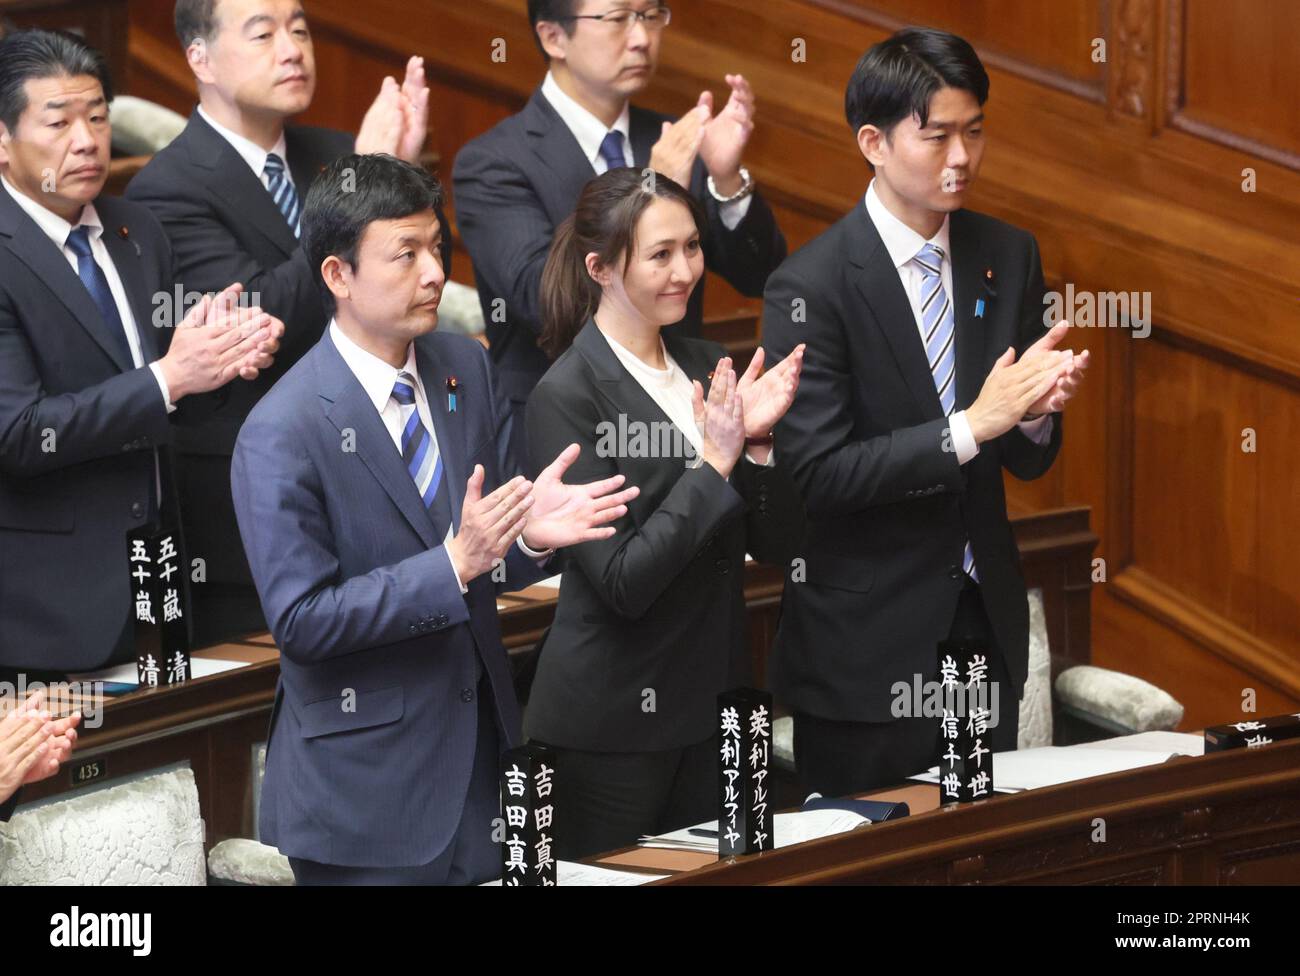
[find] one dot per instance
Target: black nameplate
(527, 780)
(965, 757)
(745, 824)
(159, 606)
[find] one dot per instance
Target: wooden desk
(215, 723)
(1226, 818)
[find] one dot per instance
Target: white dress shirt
(251, 152)
(378, 378)
(590, 133)
(57, 230)
(903, 244)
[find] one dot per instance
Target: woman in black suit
(650, 623)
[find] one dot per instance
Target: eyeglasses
(655, 19)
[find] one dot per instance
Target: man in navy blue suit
(379, 503)
(88, 372)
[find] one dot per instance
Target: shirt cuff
(533, 554)
(162, 385)
(769, 463)
(1039, 431)
(963, 440)
(733, 213)
(456, 573)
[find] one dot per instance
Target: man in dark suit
(379, 504)
(928, 371)
(228, 192)
(89, 366)
(517, 182)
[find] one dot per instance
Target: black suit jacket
(519, 180)
(660, 604)
(79, 425)
(224, 227)
(889, 508)
(7, 807)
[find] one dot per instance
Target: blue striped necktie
(423, 460)
(282, 191)
(611, 149)
(939, 332)
(96, 282)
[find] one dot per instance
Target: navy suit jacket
(79, 424)
(373, 731)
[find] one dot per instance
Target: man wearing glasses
(517, 182)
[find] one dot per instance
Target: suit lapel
(619, 386)
(32, 247)
(448, 428)
(557, 148)
(233, 180)
(304, 166)
(878, 283)
(643, 132)
(127, 261)
(349, 409)
(969, 262)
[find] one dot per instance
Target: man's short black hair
(195, 19)
(31, 54)
(896, 78)
(553, 10)
(353, 192)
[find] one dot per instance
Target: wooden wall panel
(1238, 75)
(1130, 174)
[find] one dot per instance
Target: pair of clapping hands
(1041, 381)
(548, 514)
(218, 340)
(33, 744)
(745, 407)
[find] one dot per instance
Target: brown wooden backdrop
(1130, 171)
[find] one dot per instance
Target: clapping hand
(721, 419)
(769, 396)
(1071, 378)
(726, 135)
(397, 121)
(32, 746)
(565, 515)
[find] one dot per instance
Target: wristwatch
(746, 188)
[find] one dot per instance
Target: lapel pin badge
(124, 232)
(452, 390)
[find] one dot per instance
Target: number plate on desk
(89, 771)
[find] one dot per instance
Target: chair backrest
(140, 831)
(1036, 703)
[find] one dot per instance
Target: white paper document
(791, 828)
(570, 874)
(1029, 769)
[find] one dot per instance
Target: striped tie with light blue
(939, 332)
(420, 452)
(282, 191)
